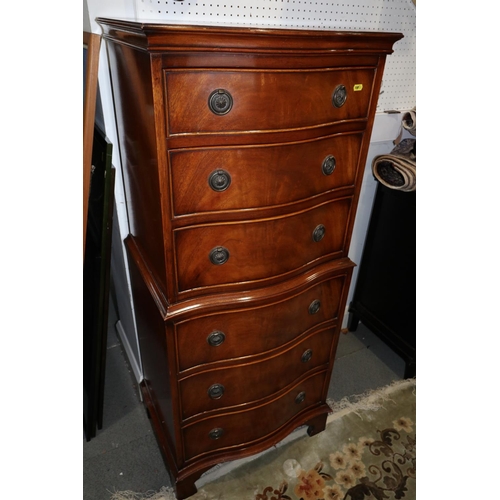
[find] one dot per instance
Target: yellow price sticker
(358, 86)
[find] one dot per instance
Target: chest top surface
(156, 37)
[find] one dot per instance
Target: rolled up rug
(409, 121)
(398, 169)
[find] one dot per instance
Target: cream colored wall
(125, 328)
(86, 19)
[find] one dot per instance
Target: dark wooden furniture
(91, 46)
(96, 281)
(384, 298)
(243, 152)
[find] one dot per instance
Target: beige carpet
(368, 451)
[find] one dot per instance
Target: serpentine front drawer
(209, 340)
(236, 178)
(264, 100)
(254, 378)
(250, 251)
(231, 428)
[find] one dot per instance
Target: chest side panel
(133, 91)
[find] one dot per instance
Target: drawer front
(249, 382)
(217, 254)
(252, 331)
(215, 179)
(244, 427)
(248, 100)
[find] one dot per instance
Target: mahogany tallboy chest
(243, 151)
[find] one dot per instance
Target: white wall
(398, 93)
(119, 268)
(124, 9)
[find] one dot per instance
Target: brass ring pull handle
(220, 102)
(319, 233)
(216, 391)
(328, 165)
(306, 356)
(339, 96)
(216, 433)
(216, 338)
(219, 256)
(219, 180)
(300, 398)
(314, 307)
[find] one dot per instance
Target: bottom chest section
(230, 375)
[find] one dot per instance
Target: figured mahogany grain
(274, 324)
(265, 419)
(261, 176)
(134, 105)
(272, 142)
(264, 100)
(259, 249)
(252, 380)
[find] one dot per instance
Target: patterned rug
(367, 452)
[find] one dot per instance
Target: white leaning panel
(399, 84)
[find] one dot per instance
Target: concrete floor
(125, 456)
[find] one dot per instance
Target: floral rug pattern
(373, 468)
(366, 452)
